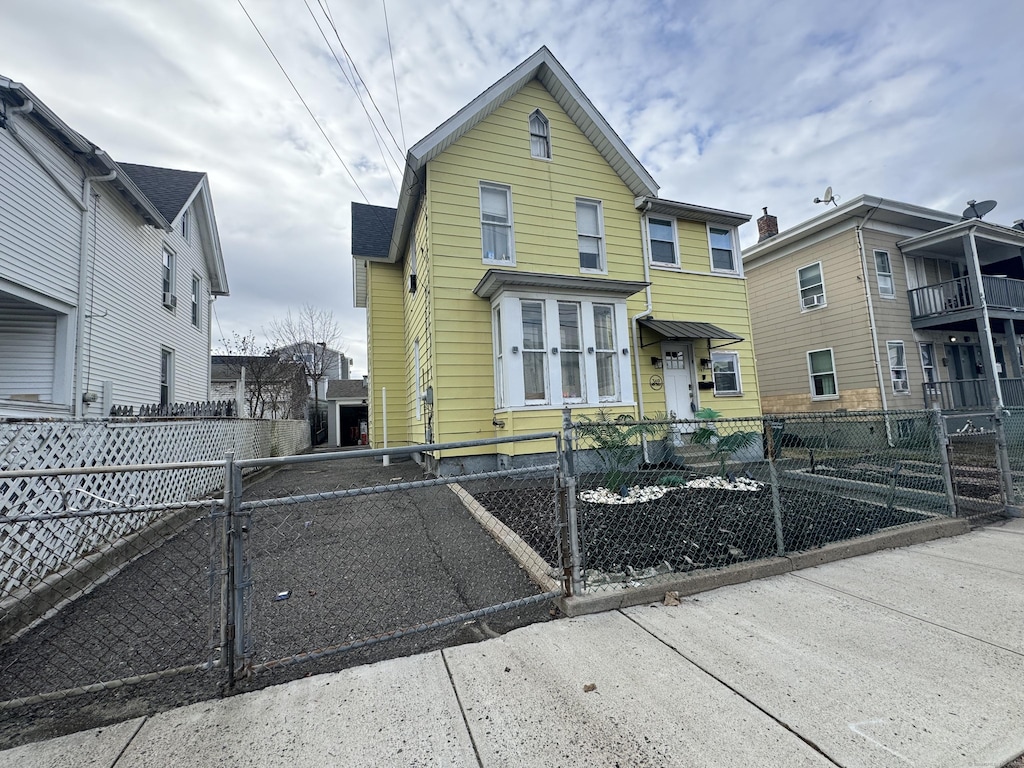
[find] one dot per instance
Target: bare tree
(270, 383)
(309, 338)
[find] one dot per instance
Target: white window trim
(933, 382)
(168, 288)
(508, 302)
(196, 309)
(529, 128)
(737, 261)
(799, 290)
(511, 261)
(170, 374)
(735, 357)
(497, 337)
(614, 350)
(878, 275)
(674, 266)
(811, 374)
(892, 371)
(186, 225)
(602, 255)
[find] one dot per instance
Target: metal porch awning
(675, 330)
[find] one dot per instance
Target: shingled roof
(169, 190)
(342, 389)
(371, 230)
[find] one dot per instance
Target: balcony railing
(955, 295)
(971, 394)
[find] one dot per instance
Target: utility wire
(362, 79)
(394, 74)
(310, 111)
(355, 90)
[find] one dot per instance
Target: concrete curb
(527, 557)
(702, 581)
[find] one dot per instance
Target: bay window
(534, 353)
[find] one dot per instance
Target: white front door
(680, 397)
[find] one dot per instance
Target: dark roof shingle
(166, 188)
(340, 389)
(372, 226)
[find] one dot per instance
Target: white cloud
(735, 105)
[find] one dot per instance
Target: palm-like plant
(615, 441)
(722, 446)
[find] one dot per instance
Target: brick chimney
(767, 226)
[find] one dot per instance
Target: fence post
(227, 628)
(568, 524)
(1003, 464)
(942, 442)
(773, 475)
(240, 572)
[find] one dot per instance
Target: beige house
(878, 304)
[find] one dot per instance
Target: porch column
(988, 352)
(1014, 357)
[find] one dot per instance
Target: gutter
(78, 406)
(635, 325)
(871, 317)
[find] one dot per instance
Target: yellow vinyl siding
(385, 337)
(417, 328)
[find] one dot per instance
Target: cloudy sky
(732, 104)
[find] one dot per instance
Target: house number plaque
(656, 382)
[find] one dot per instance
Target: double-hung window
(725, 370)
(812, 286)
(928, 365)
(883, 271)
(822, 372)
(661, 240)
(186, 225)
(571, 351)
(540, 136)
(166, 376)
(197, 287)
(535, 368)
(499, 360)
(723, 251)
(898, 368)
(168, 278)
(590, 233)
(496, 223)
(605, 349)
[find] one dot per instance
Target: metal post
(227, 628)
(773, 474)
(569, 548)
(1003, 464)
(240, 582)
(942, 443)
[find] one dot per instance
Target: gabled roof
(371, 230)
(544, 67)
(77, 146)
(342, 389)
(168, 189)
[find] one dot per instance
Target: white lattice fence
(32, 550)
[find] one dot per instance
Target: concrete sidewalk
(903, 657)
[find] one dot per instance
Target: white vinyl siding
(811, 283)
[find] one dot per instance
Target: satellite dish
(976, 210)
(828, 198)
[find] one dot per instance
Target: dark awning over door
(686, 329)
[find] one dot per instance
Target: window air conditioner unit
(901, 385)
(813, 301)
(170, 300)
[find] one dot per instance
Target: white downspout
(78, 407)
(635, 323)
(871, 319)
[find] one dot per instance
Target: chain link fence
(661, 497)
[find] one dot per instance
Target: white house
(107, 272)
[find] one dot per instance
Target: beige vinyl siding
(892, 320)
(385, 336)
(783, 334)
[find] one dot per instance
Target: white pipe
(384, 414)
(78, 407)
(635, 323)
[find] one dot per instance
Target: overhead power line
(394, 75)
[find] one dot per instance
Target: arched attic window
(540, 136)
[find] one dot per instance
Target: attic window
(540, 136)
(186, 225)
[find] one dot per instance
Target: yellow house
(529, 267)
